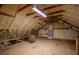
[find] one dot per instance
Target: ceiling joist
(49, 16)
(5, 14)
(45, 9)
(52, 17)
(55, 16)
(26, 6)
(59, 11)
(50, 7)
(29, 14)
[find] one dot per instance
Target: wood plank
(77, 46)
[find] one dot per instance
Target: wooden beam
(26, 6)
(50, 7)
(29, 14)
(55, 16)
(61, 28)
(1, 5)
(59, 11)
(77, 46)
(44, 9)
(75, 5)
(49, 16)
(5, 14)
(53, 13)
(69, 24)
(12, 21)
(36, 16)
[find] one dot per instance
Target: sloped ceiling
(22, 17)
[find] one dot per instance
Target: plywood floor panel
(42, 46)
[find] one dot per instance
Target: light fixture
(37, 10)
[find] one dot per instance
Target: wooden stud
(77, 46)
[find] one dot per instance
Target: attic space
(39, 29)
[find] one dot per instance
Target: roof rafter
(69, 24)
(29, 14)
(50, 7)
(26, 6)
(55, 16)
(5, 14)
(59, 11)
(46, 9)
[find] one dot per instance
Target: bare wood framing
(29, 14)
(49, 16)
(69, 24)
(5, 14)
(55, 16)
(1, 5)
(45, 9)
(26, 6)
(12, 21)
(50, 7)
(77, 46)
(59, 11)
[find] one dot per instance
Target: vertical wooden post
(77, 46)
(23, 35)
(16, 33)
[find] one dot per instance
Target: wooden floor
(42, 46)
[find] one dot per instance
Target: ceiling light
(39, 11)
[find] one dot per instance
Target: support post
(77, 46)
